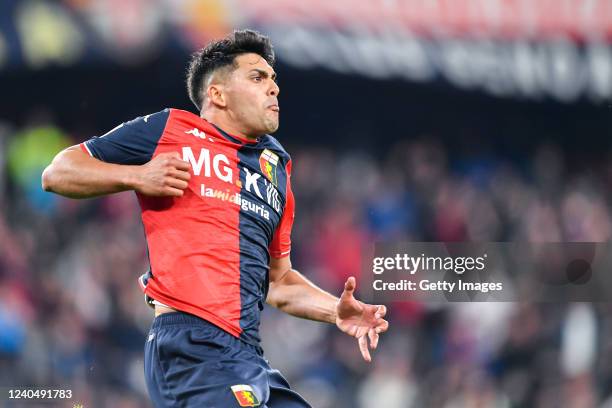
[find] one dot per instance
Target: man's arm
(75, 174)
(292, 293)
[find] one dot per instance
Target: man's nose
(274, 89)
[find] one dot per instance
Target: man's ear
(216, 95)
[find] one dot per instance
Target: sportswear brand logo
(245, 395)
(197, 133)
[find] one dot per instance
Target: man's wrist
(131, 178)
(333, 318)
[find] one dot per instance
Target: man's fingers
(349, 287)
(180, 164)
(169, 158)
(169, 155)
(176, 183)
(172, 192)
(382, 326)
(363, 347)
(180, 174)
(381, 311)
(373, 338)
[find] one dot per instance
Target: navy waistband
(186, 319)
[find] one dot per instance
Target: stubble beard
(271, 124)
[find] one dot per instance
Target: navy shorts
(190, 362)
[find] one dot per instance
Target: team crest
(268, 162)
(245, 395)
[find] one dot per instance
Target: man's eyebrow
(264, 74)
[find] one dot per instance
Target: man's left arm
(292, 293)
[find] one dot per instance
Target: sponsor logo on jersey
(235, 198)
(220, 164)
(209, 164)
(268, 162)
(245, 395)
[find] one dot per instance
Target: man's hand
(359, 319)
(164, 176)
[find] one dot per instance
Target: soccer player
(217, 208)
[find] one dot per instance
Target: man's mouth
(275, 108)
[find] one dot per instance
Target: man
(217, 208)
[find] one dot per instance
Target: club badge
(268, 162)
(245, 395)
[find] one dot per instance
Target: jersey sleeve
(131, 142)
(281, 241)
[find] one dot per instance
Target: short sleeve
(281, 241)
(132, 142)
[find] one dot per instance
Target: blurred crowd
(73, 317)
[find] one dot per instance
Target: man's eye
(257, 79)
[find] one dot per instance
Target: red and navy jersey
(209, 250)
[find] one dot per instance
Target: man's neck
(223, 122)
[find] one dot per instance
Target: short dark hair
(223, 53)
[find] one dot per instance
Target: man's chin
(267, 127)
(272, 127)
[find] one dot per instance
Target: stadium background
(426, 121)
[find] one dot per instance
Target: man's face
(251, 95)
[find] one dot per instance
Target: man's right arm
(75, 174)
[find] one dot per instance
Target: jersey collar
(233, 138)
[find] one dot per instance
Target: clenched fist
(166, 175)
